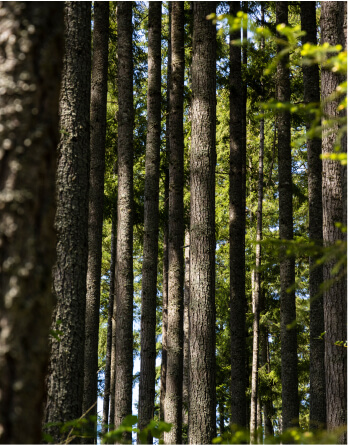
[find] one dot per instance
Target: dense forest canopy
(173, 193)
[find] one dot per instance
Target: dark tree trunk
(317, 346)
(124, 252)
(65, 378)
(27, 200)
(151, 218)
(237, 235)
(202, 424)
(96, 200)
(289, 376)
(333, 17)
(165, 234)
(108, 388)
(173, 402)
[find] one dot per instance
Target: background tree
(124, 253)
(317, 349)
(151, 221)
(65, 378)
(202, 426)
(290, 403)
(333, 23)
(96, 198)
(174, 375)
(30, 80)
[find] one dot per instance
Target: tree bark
(165, 234)
(65, 377)
(30, 80)
(173, 401)
(151, 218)
(288, 332)
(124, 253)
(335, 297)
(317, 346)
(202, 415)
(236, 234)
(109, 388)
(96, 201)
(186, 377)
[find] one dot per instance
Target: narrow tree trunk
(317, 346)
(237, 234)
(151, 218)
(124, 252)
(96, 200)
(173, 402)
(202, 415)
(65, 378)
(108, 364)
(288, 334)
(28, 158)
(185, 388)
(257, 293)
(165, 233)
(335, 297)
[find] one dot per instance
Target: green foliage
(155, 428)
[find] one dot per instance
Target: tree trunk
(185, 388)
(27, 200)
(65, 378)
(124, 252)
(317, 346)
(202, 425)
(109, 389)
(165, 234)
(257, 293)
(236, 234)
(151, 218)
(335, 297)
(96, 200)
(173, 402)
(288, 334)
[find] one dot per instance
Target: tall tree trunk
(288, 332)
(165, 233)
(65, 378)
(257, 290)
(202, 425)
(333, 16)
(185, 387)
(317, 346)
(173, 402)
(265, 361)
(96, 201)
(151, 218)
(124, 252)
(108, 363)
(236, 234)
(27, 200)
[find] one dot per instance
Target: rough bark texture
(236, 234)
(202, 424)
(165, 235)
(65, 378)
(173, 401)
(186, 345)
(288, 332)
(151, 218)
(29, 82)
(96, 200)
(124, 255)
(333, 17)
(317, 346)
(108, 364)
